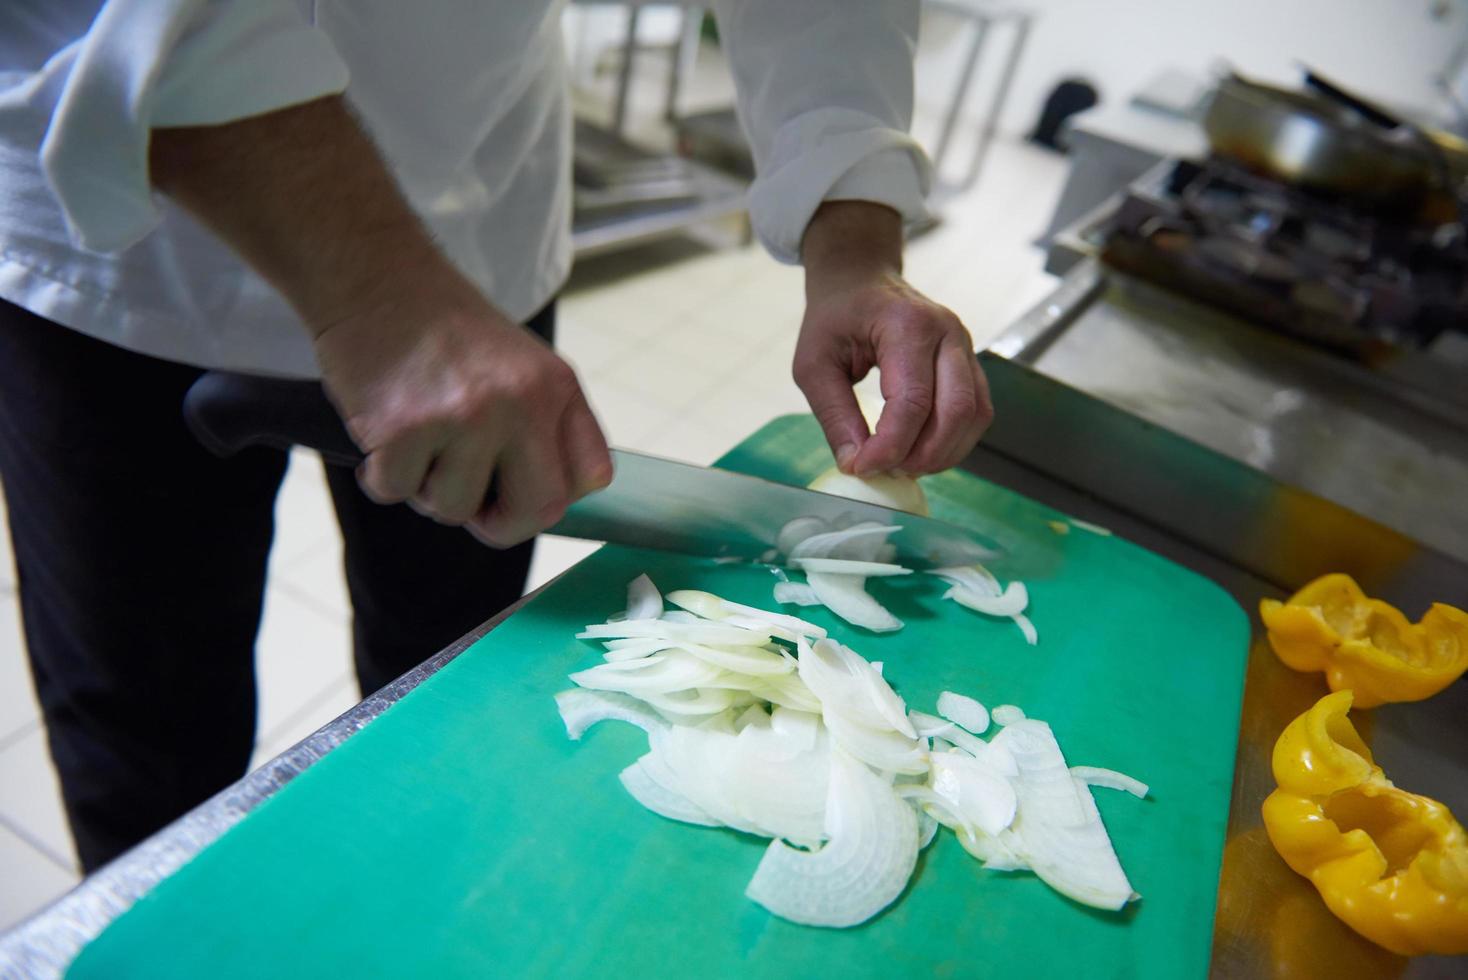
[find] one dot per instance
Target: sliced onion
(964, 711)
(1007, 714)
(935, 805)
(786, 690)
(741, 660)
(997, 853)
(843, 566)
(676, 670)
(781, 780)
(643, 599)
(797, 530)
(660, 800)
(975, 577)
(635, 648)
(710, 606)
(863, 867)
(860, 542)
(581, 709)
(1032, 636)
(1011, 602)
(1058, 829)
(847, 597)
(847, 685)
(984, 798)
(887, 751)
(796, 593)
(698, 703)
(694, 632)
(1110, 779)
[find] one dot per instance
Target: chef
(377, 194)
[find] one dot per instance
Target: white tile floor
(683, 352)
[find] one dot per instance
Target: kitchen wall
(1388, 48)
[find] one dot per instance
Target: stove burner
(1356, 281)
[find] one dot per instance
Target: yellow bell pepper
(1390, 864)
(1365, 644)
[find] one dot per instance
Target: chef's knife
(651, 502)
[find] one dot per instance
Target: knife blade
(650, 503)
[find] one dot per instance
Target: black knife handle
(228, 412)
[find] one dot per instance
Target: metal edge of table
(46, 943)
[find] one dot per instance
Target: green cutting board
(463, 835)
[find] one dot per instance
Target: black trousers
(141, 561)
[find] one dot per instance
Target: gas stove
(1367, 284)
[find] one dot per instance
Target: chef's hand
(861, 314)
(442, 402)
(441, 390)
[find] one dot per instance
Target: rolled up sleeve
(154, 63)
(825, 92)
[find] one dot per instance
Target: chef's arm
(825, 95)
(440, 389)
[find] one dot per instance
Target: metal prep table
(1245, 523)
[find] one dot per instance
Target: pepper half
(1367, 645)
(1390, 864)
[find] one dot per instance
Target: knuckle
(914, 398)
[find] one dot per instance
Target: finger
(395, 471)
(907, 385)
(953, 425)
(986, 402)
(532, 493)
(588, 461)
(457, 481)
(826, 384)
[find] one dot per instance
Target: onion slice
(1058, 829)
(844, 566)
(710, 606)
(1007, 714)
(964, 711)
(860, 542)
(1011, 602)
(847, 597)
(580, 709)
(796, 593)
(864, 865)
(1110, 779)
(661, 800)
(643, 599)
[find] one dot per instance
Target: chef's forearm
(849, 239)
(305, 198)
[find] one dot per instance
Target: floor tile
(18, 708)
(301, 653)
(626, 414)
(31, 880)
(30, 797)
(304, 517)
(317, 579)
(553, 555)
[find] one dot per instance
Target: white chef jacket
(466, 100)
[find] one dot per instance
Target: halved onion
(864, 865)
(884, 490)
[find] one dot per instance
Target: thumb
(827, 387)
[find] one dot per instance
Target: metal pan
(1322, 144)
